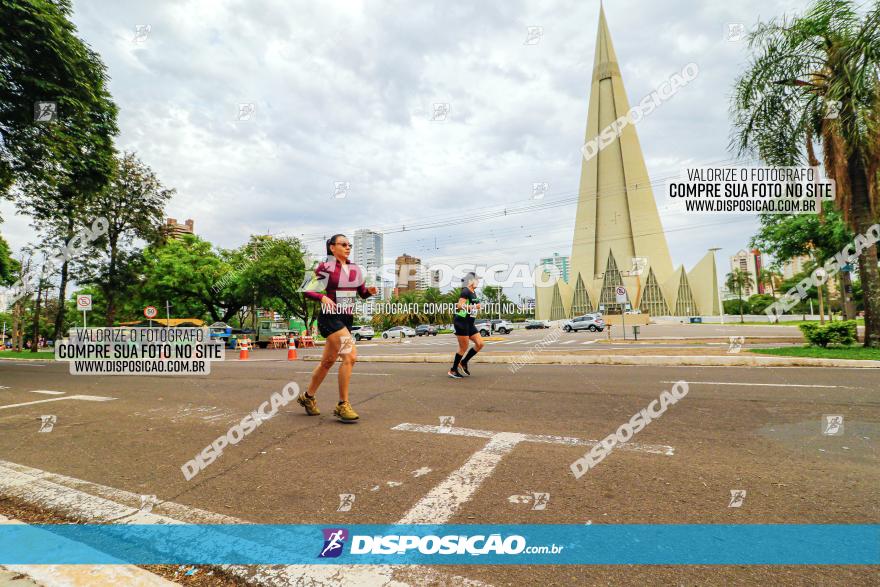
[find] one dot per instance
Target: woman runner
(465, 328)
(343, 280)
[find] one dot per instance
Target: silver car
(591, 322)
(359, 332)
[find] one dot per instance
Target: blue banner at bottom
(625, 544)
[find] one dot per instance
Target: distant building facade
(560, 262)
(176, 230)
(794, 266)
(367, 251)
(750, 262)
(410, 274)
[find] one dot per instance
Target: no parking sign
(84, 303)
(621, 294)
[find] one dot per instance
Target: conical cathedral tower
(618, 237)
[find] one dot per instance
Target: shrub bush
(842, 333)
(732, 307)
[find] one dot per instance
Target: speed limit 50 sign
(150, 312)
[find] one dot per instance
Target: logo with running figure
(334, 542)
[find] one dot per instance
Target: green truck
(267, 329)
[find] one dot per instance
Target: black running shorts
(464, 326)
(330, 323)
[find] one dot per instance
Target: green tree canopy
(42, 60)
(184, 272)
(816, 78)
(133, 206)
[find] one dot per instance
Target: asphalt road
(665, 336)
(738, 428)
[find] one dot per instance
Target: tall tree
(185, 271)
(23, 276)
(133, 206)
(43, 61)
(738, 280)
(815, 77)
(806, 235)
(274, 278)
(57, 120)
(771, 278)
(8, 265)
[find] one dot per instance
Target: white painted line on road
(441, 503)
(47, 392)
(542, 438)
(590, 342)
(29, 363)
(87, 398)
(102, 504)
(444, 500)
(568, 342)
(53, 575)
(764, 384)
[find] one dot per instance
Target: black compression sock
(456, 362)
(468, 357)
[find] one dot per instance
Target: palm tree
(770, 277)
(815, 78)
(737, 280)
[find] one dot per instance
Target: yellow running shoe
(308, 403)
(345, 412)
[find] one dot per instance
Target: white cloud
(344, 92)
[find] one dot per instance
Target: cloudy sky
(344, 91)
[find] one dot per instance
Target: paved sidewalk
(726, 360)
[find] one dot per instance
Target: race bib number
(345, 301)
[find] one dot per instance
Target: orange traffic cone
(243, 346)
(291, 349)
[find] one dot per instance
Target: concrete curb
(91, 503)
(653, 360)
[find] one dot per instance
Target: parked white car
(360, 332)
(398, 332)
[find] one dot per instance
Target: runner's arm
(321, 274)
(363, 290)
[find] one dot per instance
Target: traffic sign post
(620, 293)
(84, 303)
(150, 312)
